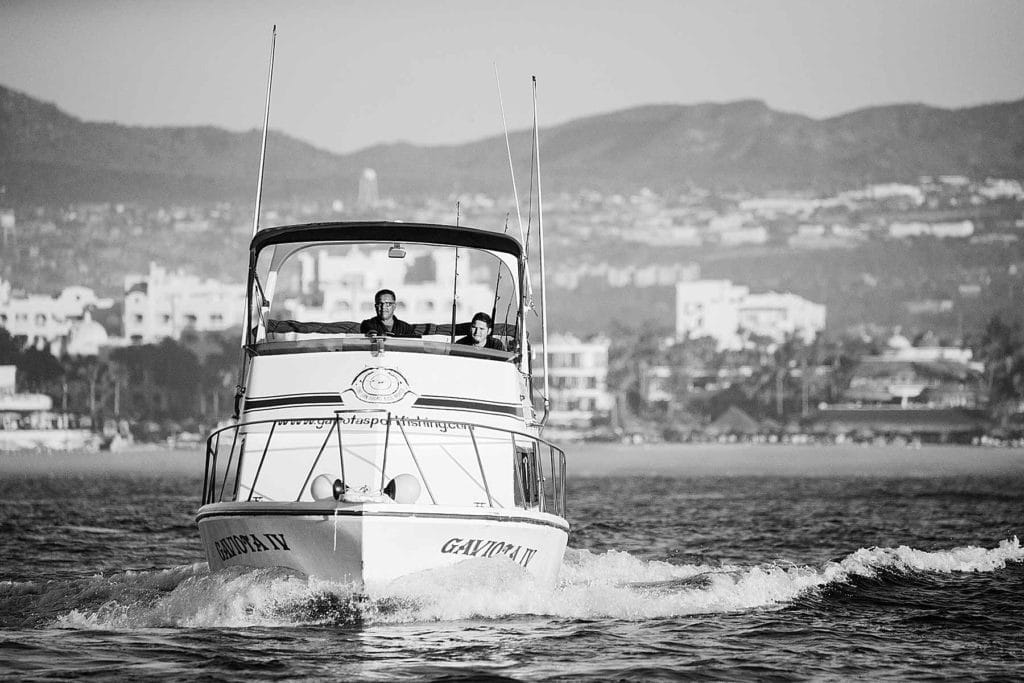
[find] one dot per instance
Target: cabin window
(317, 288)
(528, 477)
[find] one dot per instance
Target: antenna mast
(263, 146)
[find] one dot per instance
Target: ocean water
(699, 566)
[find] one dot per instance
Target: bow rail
(364, 451)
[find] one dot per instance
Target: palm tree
(1002, 351)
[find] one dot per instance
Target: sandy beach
(589, 460)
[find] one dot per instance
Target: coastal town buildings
(930, 376)
(163, 304)
(727, 312)
(578, 381)
(44, 321)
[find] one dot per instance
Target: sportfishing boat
(364, 458)
(361, 452)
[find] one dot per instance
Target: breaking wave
(613, 585)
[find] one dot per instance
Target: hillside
(47, 156)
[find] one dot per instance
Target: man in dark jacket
(385, 324)
(480, 334)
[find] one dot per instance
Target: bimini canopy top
(387, 231)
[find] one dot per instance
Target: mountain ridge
(49, 156)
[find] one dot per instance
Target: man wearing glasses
(385, 324)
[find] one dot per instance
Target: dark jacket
(399, 328)
(491, 343)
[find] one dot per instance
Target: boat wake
(613, 585)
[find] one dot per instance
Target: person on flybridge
(480, 334)
(385, 324)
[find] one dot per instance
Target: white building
(8, 227)
(751, 234)
(725, 312)
(42, 319)
(162, 304)
(1001, 188)
(771, 207)
(892, 191)
(578, 381)
(900, 348)
(368, 194)
(781, 315)
(949, 229)
(709, 308)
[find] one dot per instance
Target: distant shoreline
(810, 460)
(594, 459)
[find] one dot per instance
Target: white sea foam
(965, 559)
(593, 585)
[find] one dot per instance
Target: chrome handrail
(546, 491)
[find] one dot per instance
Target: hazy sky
(349, 74)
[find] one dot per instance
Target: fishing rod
(515, 192)
(455, 293)
(543, 282)
(497, 284)
(455, 284)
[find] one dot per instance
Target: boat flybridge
(361, 458)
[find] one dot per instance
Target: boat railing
(246, 458)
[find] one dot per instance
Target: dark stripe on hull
(444, 403)
(291, 512)
(290, 401)
(431, 402)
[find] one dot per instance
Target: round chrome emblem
(380, 385)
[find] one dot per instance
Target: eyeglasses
(385, 303)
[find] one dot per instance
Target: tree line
(189, 383)
(186, 384)
(787, 380)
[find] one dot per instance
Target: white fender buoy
(404, 488)
(322, 487)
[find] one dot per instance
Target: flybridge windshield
(309, 290)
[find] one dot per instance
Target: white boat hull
(370, 545)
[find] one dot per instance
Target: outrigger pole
(543, 282)
(263, 146)
(240, 387)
